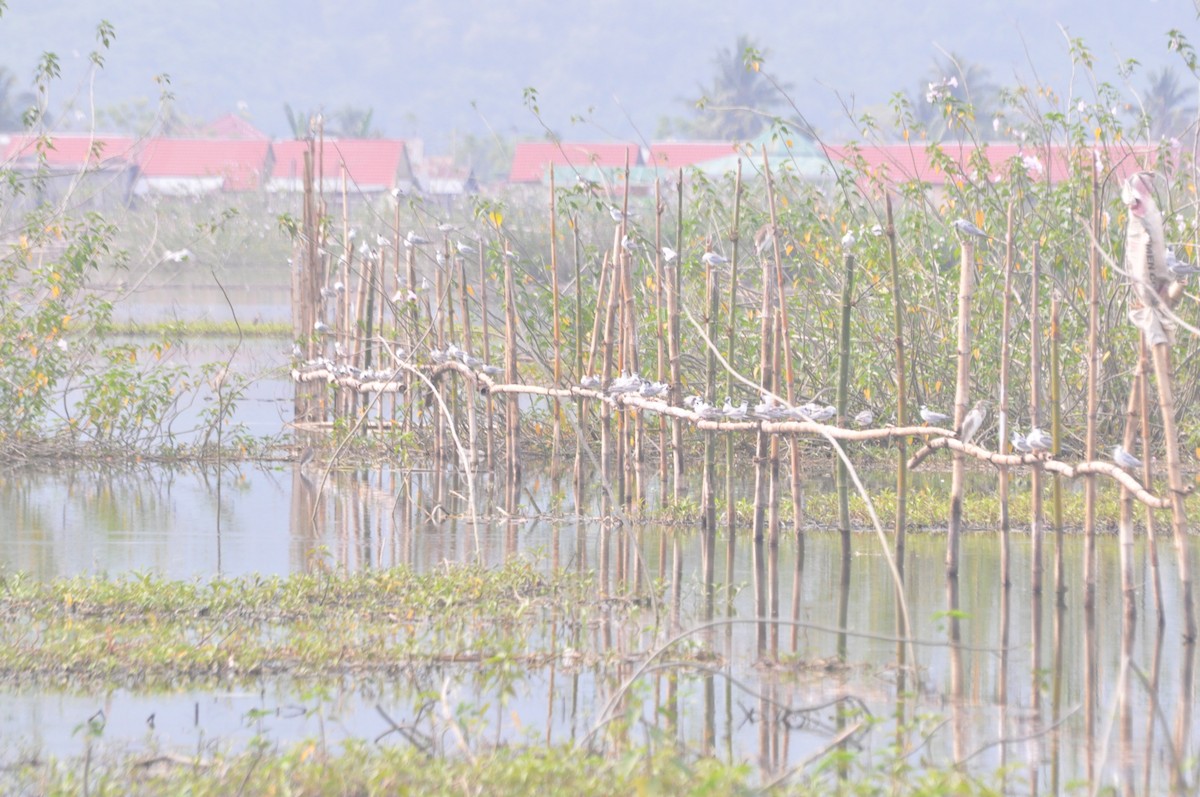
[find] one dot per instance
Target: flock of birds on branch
(769, 409)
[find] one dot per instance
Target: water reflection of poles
(1056, 692)
(1152, 708)
(1002, 681)
(1035, 677)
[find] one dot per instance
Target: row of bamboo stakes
(366, 302)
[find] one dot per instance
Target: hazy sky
(433, 67)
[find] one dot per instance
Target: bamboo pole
(486, 342)
(962, 398)
(556, 435)
(661, 366)
(613, 274)
(1003, 419)
(1060, 584)
(1151, 534)
(1035, 388)
(512, 415)
(413, 336)
(843, 397)
(708, 488)
(469, 347)
(766, 378)
(674, 299)
(581, 432)
(901, 394)
(730, 353)
(789, 374)
(1161, 359)
(1093, 395)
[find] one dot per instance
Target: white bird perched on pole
(415, 239)
(618, 215)
(864, 418)
(465, 249)
(1018, 443)
(629, 244)
(1125, 459)
(446, 227)
(932, 416)
(714, 259)
(669, 254)
(320, 327)
(973, 420)
(1039, 439)
(590, 381)
(848, 240)
(965, 227)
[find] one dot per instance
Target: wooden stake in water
(1093, 393)
(1060, 585)
(512, 414)
(766, 378)
(674, 300)
(1002, 413)
(843, 396)
(730, 355)
(486, 330)
(660, 373)
(1035, 390)
(788, 373)
(962, 396)
(708, 488)
(556, 409)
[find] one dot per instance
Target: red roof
(901, 163)
(242, 163)
(371, 163)
(530, 158)
(676, 154)
(230, 126)
(71, 149)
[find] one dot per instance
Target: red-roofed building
(373, 165)
(69, 149)
(677, 154)
(896, 164)
(228, 126)
(531, 159)
(194, 166)
(94, 169)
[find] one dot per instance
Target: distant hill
(437, 68)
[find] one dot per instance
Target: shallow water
(279, 519)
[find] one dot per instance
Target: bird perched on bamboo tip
(964, 227)
(1125, 459)
(973, 421)
(714, 259)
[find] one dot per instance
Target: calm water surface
(249, 518)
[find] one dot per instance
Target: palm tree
(737, 104)
(1168, 107)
